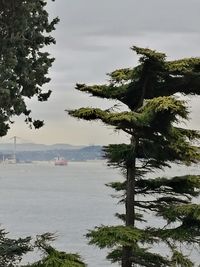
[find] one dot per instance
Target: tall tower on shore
(14, 158)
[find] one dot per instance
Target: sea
(65, 200)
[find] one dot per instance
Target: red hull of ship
(60, 163)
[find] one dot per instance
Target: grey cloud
(110, 52)
(116, 17)
(93, 38)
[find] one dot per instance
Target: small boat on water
(59, 161)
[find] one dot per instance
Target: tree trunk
(130, 196)
(127, 253)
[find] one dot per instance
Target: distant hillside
(7, 147)
(32, 152)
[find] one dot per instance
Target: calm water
(68, 200)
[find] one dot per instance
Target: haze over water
(38, 198)
(68, 200)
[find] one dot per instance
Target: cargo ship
(59, 161)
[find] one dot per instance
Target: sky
(94, 38)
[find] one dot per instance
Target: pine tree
(53, 257)
(12, 252)
(24, 33)
(154, 110)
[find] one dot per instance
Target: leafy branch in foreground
(12, 252)
(53, 257)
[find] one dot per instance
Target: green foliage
(143, 257)
(187, 184)
(24, 33)
(157, 115)
(122, 75)
(119, 155)
(12, 250)
(156, 140)
(178, 259)
(153, 77)
(59, 259)
(110, 236)
(148, 54)
(52, 257)
(188, 214)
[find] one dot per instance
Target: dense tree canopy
(24, 33)
(156, 140)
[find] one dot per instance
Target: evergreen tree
(24, 33)
(12, 252)
(53, 257)
(156, 140)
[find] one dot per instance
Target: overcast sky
(93, 38)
